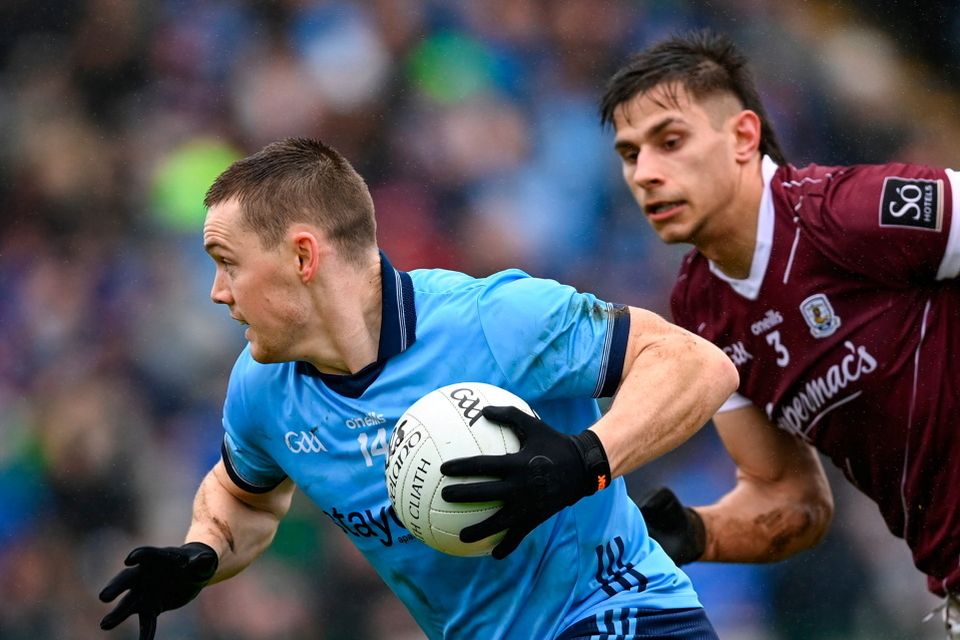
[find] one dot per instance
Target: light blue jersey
(556, 348)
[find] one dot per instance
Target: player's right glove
(158, 580)
(678, 529)
(551, 471)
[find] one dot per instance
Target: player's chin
(262, 353)
(672, 233)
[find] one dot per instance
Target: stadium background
(475, 124)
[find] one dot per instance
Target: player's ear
(746, 131)
(308, 252)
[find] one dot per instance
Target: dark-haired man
(833, 289)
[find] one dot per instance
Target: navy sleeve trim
(238, 480)
(615, 351)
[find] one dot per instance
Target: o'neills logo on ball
(402, 443)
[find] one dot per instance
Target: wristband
(594, 460)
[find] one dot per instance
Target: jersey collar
(749, 287)
(398, 325)
(398, 331)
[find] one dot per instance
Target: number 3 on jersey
(375, 447)
(783, 356)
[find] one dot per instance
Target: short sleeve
(893, 223)
(551, 340)
(247, 464)
(735, 401)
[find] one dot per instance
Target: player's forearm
(237, 531)
(674, 383)
(752, 525)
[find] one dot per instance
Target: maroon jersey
(847, 333)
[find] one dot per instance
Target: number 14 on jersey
(376, 446)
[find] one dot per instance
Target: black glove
(551, 471)
(158, 579)
(677, 528)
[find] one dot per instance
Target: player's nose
(646, 171)
(220, 292)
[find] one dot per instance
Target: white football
(443, 425)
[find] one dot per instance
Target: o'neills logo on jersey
(912, 202)
(369, 419)
(820, 316)
(817, 396)
(770, 319)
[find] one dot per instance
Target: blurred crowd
(476, 127)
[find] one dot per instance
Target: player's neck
(734, 255)
(731, 239)
(349, 303)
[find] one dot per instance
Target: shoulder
(832, 201)
(452, 287)
(789, 176)
(440, 281)
(815, 190)
(443, 281)
(534, 299)
(249, 376)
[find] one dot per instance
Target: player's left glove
(679, 529)
(550, 471)
(158, 579)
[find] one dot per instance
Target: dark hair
(704, 63)
(300, 180)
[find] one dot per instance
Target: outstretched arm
(781, 503)
(237, 524)
(230, 528)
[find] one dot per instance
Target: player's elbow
(719, 373)
(727, 375)
(820, 507)
(802, 523)
(815, 499)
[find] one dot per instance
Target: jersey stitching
(807, 180)
(486, 341)
(793, 250)
(913, 400)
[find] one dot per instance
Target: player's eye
(671, 142)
